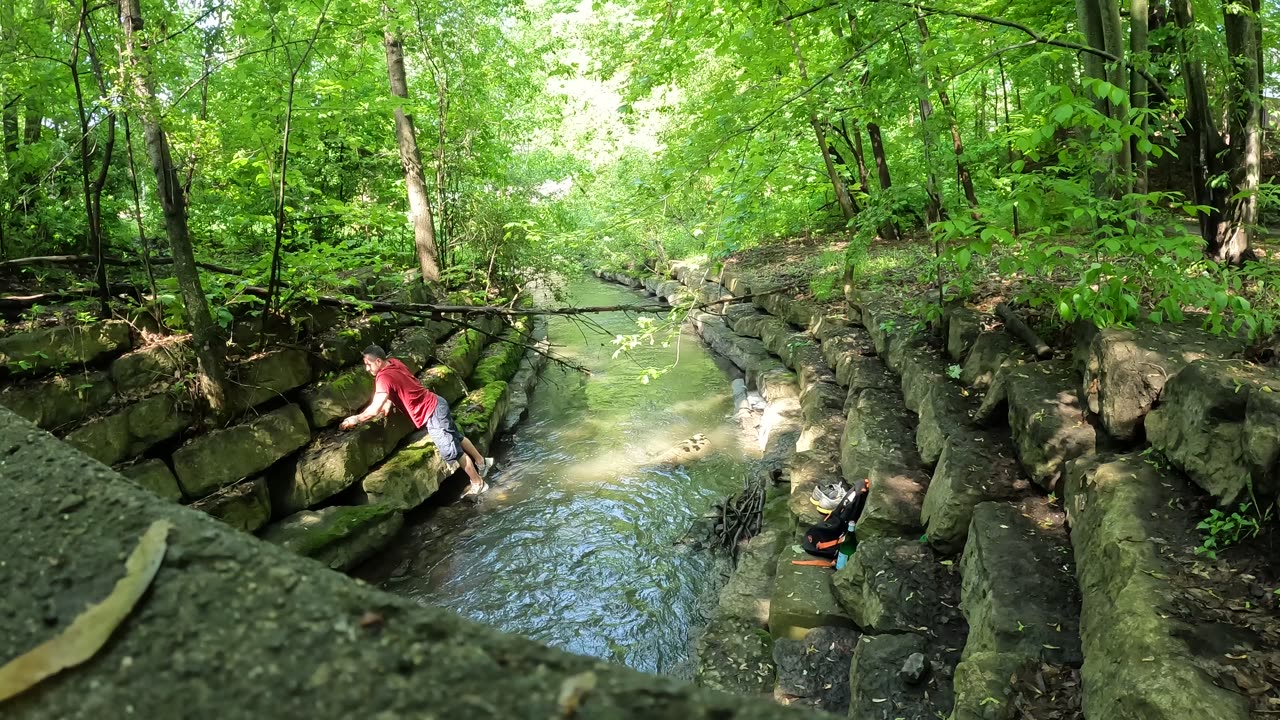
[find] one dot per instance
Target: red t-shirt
(406, 392)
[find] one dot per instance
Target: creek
(579, 542)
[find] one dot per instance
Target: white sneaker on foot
(484, 469)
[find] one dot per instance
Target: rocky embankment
(279, 466)
(1028, 538)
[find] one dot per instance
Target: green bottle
(847, 545)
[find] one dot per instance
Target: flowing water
(577, 544)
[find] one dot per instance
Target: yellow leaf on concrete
(86, 635)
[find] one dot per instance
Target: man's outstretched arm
(377, 406)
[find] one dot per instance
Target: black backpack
(823, 539)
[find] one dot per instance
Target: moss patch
(307, 533)
(443, 381)
(502, 358)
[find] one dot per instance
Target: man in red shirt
(395, 386)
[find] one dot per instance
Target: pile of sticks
(740, 516)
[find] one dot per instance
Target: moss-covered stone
(127, 433)
(1046, 419)
(462, 351)
(224, 456)
(105, 439)
(245, 506)
(443, 381)
(155, 476)
(340, 537)
(408, 477)
(328, 401)
(334, 461)
(802, 598)
(55, 347)
(268, 376)
(982, 686)
(154, 367)
(480, 413)
(501, 358)
(341, 347)
(60, 400)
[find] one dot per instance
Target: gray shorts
(443, 432)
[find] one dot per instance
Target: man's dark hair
(375, 352)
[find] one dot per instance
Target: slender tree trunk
(1008, 130)
(1138, 17)
(933, 204)
(855, 137)
(209, 347)
(957, 145)
(143, 243)
(92, 191)
(1117, 74)
(424, 233)
(1244, 127)
(842, 193)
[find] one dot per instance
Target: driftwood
(1023, 332)
(740, 517)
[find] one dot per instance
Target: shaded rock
(57, 346)
(944, 411)
(876, 690)
(825, 327)
(735, 282)
(982, 687)
(903, 344)
(269, 376)
(502, 357)
(462, 351)
(991, 352)
(223, 456)
(777, 385)
(894, 584)
(341, 537)
(480, 414)
(333, 462)
(1125, 369)
(526, 377)
(443, 381)
(342, 347)
(408, 477)
(921, 371)
(822, 417)
(155, 476)
(245, 506)
(877, 446)
(416, 345)
(751, 325)
(913, 670)
(972, 468)
(802, 597)
(126, 434)
(814, 670)
(328, 401)
(59, 400)
(1137, 661)
(963, 327)
(806, 470)
(1019, 594)
(775, 334)
(745, 352)
(1047, 422)
(1219, 421)
(154, 367)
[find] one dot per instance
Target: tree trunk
(92, 188)
(957, 145)
(424, 233)
(1138, 18)
(860, 157)
(842, 193)
(1244, 127)
(1113, 36)
(933, 203)
(209, 346)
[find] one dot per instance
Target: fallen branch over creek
(741, 516)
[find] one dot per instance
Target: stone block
(973, 468)
(223, 456)
(154, 367)
(269, 376)
(991, 352)
(1138, 661)
(1219, 422)
(340, 537)
(60, 400)
(895, 584)
(443, 381)
(155, 476)
(963, 327)
(1019, 592)
(479, 415)
(343, 347)
(502, 357)
(921, 372)
(775, 334)
(802, 598)
(751, 325)
(333, 462)
(878, 689)
(744, 352)
(408, 477)
(1047, 421)
(946, 410)
(58, 346)
(246, 505)
(814, 670)
(1125, 369)
(982, 686)
(328, 401)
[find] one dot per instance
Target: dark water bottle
(848, 544)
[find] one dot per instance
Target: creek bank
(1006, 592)
(280, 457)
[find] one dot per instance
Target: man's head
(374, 359)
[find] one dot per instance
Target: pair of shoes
(827, 497)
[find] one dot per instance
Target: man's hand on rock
(349, 422)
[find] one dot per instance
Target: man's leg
(469, 450)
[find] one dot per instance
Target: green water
(577, 544)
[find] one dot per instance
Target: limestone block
(973, 468)
(1046, 419)
(1019, 593)
(154, 367)
(155, 476)
(480, 413)
(1126, 369)
(333, 462)
(502, 357)
(877, 689)
(340, 537)
(245, 505)
(991, 352)
(802, 597)
(328, 401)
(963, 327)
(814, 670)
(58, 346)
(223, 456)
(59, 400)
(1138, 663)
(270, 376)
(443, 381)
(894, 584)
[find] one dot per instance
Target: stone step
(892, 677)
(802, 596)
(221, 457)
(813, 671)
(1219, 422)
(245, 505)
(992, 351)
(1140, 659)
(895, 584)
(410, 476)
(340, 537)
(877, 445)
(973, 468)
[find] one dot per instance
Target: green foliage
(1221, 530)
